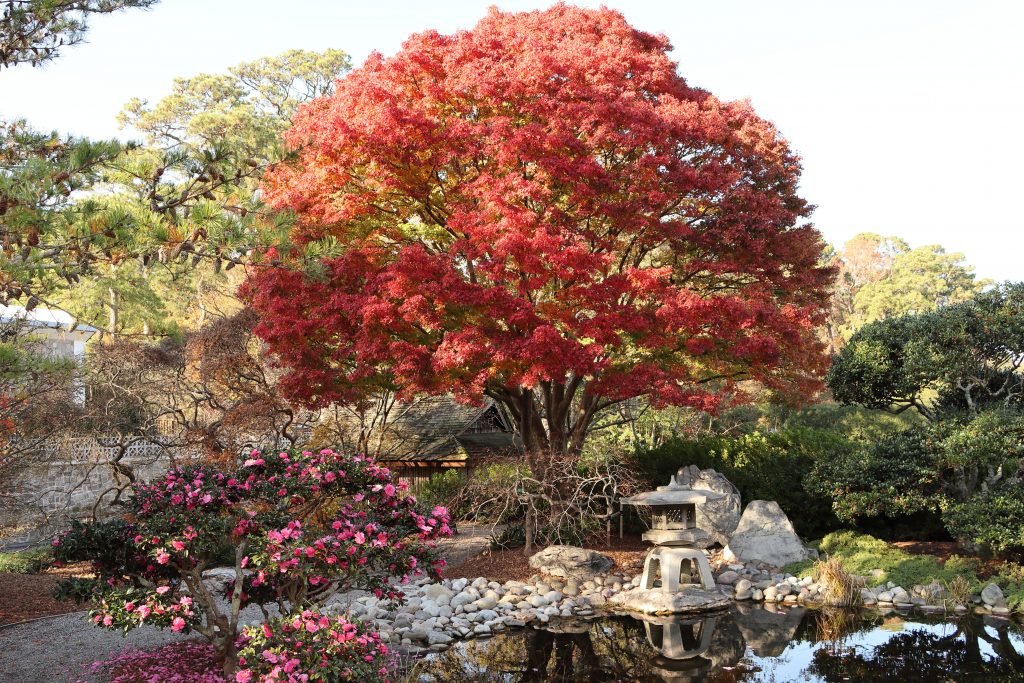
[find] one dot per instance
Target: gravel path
(60, 649)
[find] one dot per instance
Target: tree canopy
(960, 357)
(881, 277)
(119, 253)
(541, 210)
(34, 31)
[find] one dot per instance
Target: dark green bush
(897, 475)
(763, 466)
(992, 519)
(966, 468)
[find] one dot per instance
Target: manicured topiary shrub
(302, 525)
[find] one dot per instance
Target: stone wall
(71, 479)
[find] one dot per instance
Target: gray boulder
(765, 534)
(570, 562)
(717, 517)
(992, 595)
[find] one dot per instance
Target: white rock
(765, 534)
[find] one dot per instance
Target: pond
(747, 643)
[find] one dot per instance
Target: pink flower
(178, 545)
(108, 620)
(144, 611)
(162, 557)
(178, 624)
(162, 590)
(243, 676)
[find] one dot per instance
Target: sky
(908, 114)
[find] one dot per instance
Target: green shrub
(31, 561)
(444, 488)
(898, 475)
(762, 465)
(992, 519)
(854, 423)
(512, 536)
(935, 468)
(861, 554)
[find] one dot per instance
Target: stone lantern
(675, 557)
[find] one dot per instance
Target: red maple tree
(541, 210)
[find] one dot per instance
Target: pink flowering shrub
(311, 648)
(298, 527)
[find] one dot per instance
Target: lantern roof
(675, 493)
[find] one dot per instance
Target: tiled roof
(440, 429)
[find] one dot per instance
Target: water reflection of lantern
(681, 644)
(674, 534)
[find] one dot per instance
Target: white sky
(909, 114)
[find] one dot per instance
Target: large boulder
(717, 517)
(765, 534)
(570, 562)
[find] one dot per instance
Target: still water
(746, 644)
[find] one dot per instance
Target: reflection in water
(747, 644)
(680, 643)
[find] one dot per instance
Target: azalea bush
(309, 647)
(300, 526)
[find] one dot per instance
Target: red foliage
(543, 203)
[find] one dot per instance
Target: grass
(31, 561)
(861, 554)
(842, 589)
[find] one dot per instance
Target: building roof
(45, 317)
(440, 429)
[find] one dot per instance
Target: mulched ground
(27, 596)
(512, 565)
(940, 549)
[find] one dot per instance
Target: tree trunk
(227, 655)
(114, 304)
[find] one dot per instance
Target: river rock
(570, 562)
(765, 534)
(992, 595)
(728, 577)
